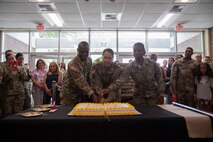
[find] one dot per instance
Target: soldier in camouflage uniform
(76, 83)
(149, 86)
(183, 78)
(27, 83)
(103, 74)
(13, 76)
(2, 88)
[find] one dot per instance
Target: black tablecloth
(154, 124)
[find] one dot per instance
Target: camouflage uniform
(75, 86)
(183, 80)
(27, 84)
(102, 77)
(14, 90)
(149, 86)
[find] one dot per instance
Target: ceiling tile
(19, 17)
(71, 17)
(201, 8)
(18, 8)
(156, 8)
(91, 16)
(67, 7)
(145, 24)
(112, 7)
(130, 16)
(127, 24)
(134, 8)
(89, 8)
(92, 24)
(110, 24)
(150, 17)
(74, 24)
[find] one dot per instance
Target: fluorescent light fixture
(185, 1)
(54, 19)
(39, 1)
(164, 20)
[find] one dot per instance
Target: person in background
(198, 58)
(204, 87)
(13, 77)
(183, 79)
(53, 74)
(165, 64)
(167, 88)
(149, 86)
(154, 57)
(2, 85)
(26, 83)
(207, 59)
(63, 69)
(38, 80)
(105, 73)
(76, 84)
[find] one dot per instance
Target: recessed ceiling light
(185, 1)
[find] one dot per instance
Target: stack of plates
(40, 109)
(45, 106)
(30, 114)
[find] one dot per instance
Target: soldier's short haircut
(189, 48)
(18, 55)
(140, 44)
(83, 44)
(108, 50)
(6, 52)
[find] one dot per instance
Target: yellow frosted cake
(103, 109)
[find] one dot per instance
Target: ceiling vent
(46, 7)
(110, 16)
(176, 9)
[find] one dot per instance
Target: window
(16, 41)
(46, 44)
(101, 40)
(161, 42)
(126, 40)
(44, 41)
(71, 39)
(189, 39)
